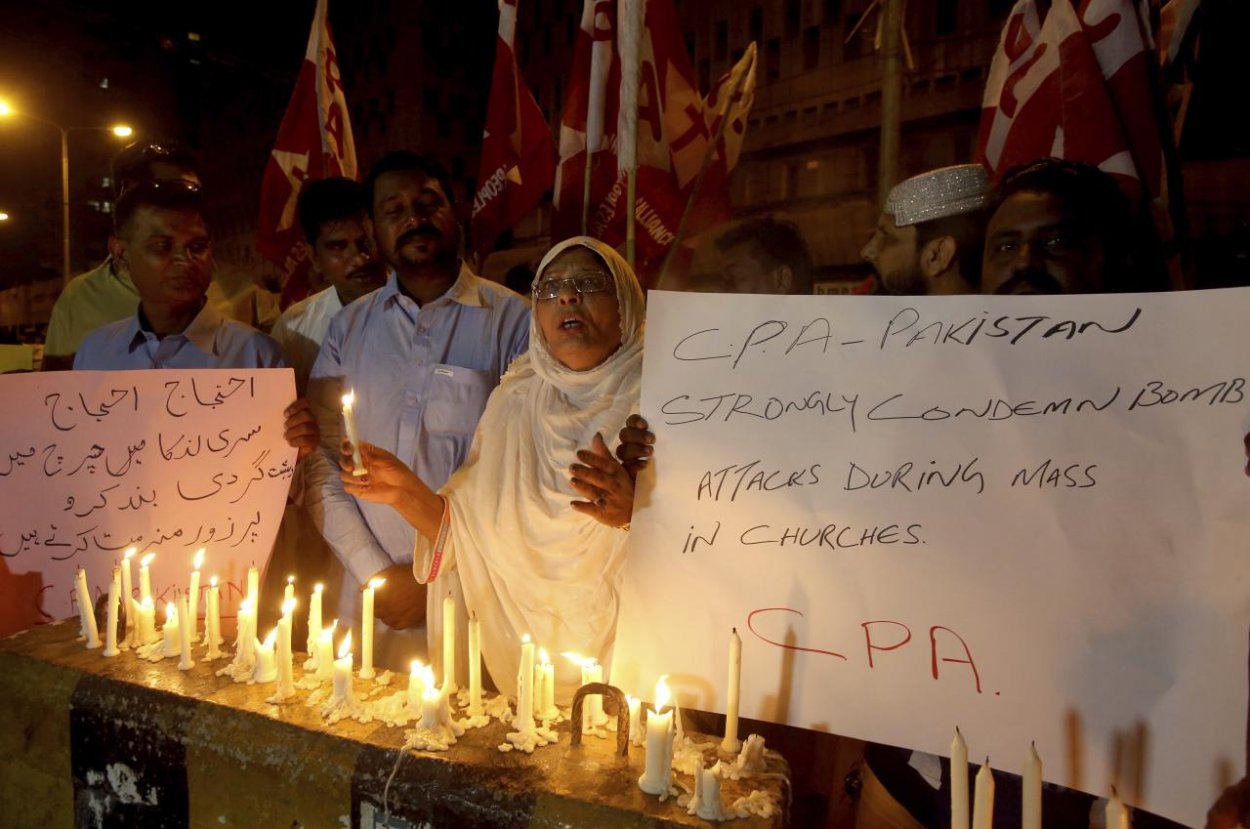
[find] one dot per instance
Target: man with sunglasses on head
(421, 355)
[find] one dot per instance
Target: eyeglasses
(583, 283)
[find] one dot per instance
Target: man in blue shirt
(421, 355)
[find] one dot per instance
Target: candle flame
(318, 587)
(130, 553)
(376, 583)
(326, 636)
(579, 660)
(271, 638)
(245, 606)
(146, 560)
(288, 607)
(171, 614)
(290, 579)
(349, 398)
(662, 695)
(415, 667)
(212, 582)
(427, 676)
(525, 639)
(346, 647)
(147, 604)
(199, 558)
(542, 656)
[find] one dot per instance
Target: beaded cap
(946, 191)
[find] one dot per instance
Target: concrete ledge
(87, 741)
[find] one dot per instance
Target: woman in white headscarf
(531, 527)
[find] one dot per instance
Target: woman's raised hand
(605, 484)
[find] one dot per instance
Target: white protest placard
(95, 462)
(1023, 516)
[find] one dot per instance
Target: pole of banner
(586, 190)
(631, 14)
(891, 96)
(708, 155)
(631, 194)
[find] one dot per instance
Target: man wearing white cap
(928, 237)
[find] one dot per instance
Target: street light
(4, 217)
(119, 130)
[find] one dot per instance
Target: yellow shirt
(102, 295)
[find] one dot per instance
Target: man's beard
(908, 281)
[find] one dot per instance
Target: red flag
(675, 129)
(314, 141)
(518, 151)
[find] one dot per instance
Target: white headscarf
(527, 561)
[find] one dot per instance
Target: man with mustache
(420, 355)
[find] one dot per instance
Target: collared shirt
(209, 341)
(421, 376)
(302, 328)
(102, 295)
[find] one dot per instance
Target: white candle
(524, 720)
(266, 670)
(349, 420)
(1116, 813)
(659, 753)
(366, 630)
(314, 619)
(545, 688)
(289, 593)
(245, 631)
(145, 622)
(185, 626)
(110, 618)
(983, 804)
(959, 782)
(128, 596)
(475, 666)
(253, 587)
(431, 706)
(709, 796)
(173, 642)
(86, 611)
(1031, 791)
(325, 652)
(635, 720)
(286, 669)
(592, 707)
(212, 619)
(416, 684)
(145, 577)
(193, 599)
(449, 644)
(731, 744)
(343, 671)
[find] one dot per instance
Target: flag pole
(891, 97)
(708, 155)
(630, 29)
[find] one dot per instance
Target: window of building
(811, 48)
(947, 17)
(772, 58)
(722, 40)
(794, 17)
(756, 25)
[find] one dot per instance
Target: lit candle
(173, 642)
(635, 719)
(110, 618)
(145, 622)
(1031, 790)
(366, 629)
(431, 705)
(266, 670)
(659, 756)
(524, 720)
(185, 626)
(145, 577)
(253, 587)
(983, 804)
(731, 744)
(86, 611)
(286, 668)
(325, 652)
(245, 632)
(290, 588)
(212, 620)
(449, 644)
(193, 600)
(314, 619)
(959, 781)
(545, 688)
(592, 706)
(416, 685)
(1116, 813)
(349, 419)
(343, 671)
(128, 596)
(475, 667)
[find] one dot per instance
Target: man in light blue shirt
(161, 238)
(421, 355)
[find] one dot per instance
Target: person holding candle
(421, 355)
(530, 526)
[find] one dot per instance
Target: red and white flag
(1076, 85)
(674, 132)
(314, 142)
(518, 151)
